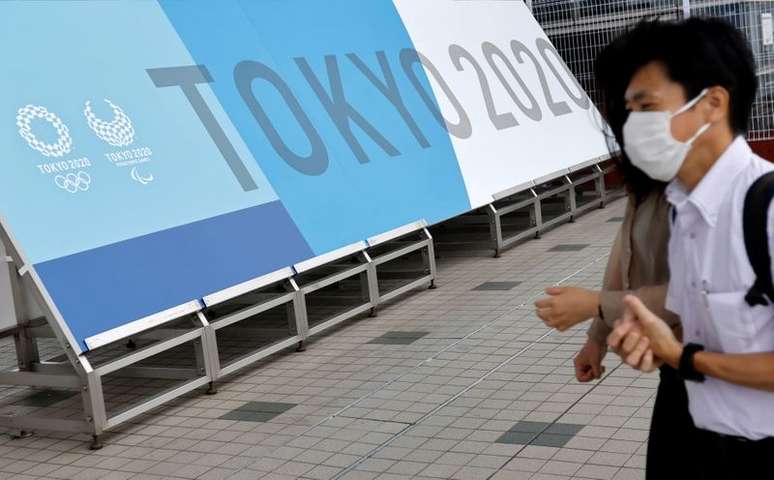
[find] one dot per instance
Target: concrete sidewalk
(461, 382)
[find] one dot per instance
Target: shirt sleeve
(654, 297)
(612, 280)
(612, 308)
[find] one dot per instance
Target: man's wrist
(673, 356)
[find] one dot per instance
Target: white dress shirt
(710, 276)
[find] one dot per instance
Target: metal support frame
(341, 272)
(568, 190)
(424, 245)
(79, 373)
(296, 318)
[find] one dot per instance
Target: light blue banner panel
(319, 93)
(123, 195)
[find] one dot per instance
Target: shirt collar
(711, 191)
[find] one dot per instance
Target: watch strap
(685, 368)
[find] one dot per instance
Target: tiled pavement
(461, 382)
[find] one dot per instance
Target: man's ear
(718, 104)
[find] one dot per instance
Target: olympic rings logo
(73, 183)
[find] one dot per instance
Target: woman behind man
(637, 264)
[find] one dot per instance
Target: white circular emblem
(24, 118)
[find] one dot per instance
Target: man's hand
(588, 362)
(642, 339)
(662, 339)
(628, 341)
(568, 306)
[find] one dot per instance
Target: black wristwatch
(685, 368)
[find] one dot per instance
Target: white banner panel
(514, 111)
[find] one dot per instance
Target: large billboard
(159, 151)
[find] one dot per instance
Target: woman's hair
(696, 53)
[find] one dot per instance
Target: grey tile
(615, 219)
(393, 341)
(516, 438)
(529, 427)
(271, 407)
(405, 334)
(497, 286)
(397, 337)
(551, 440)
(248, 416)
(569, 247)
(564, 429)
(600, 472)
(44, 398)
(258, 411)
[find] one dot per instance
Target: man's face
(650, 89)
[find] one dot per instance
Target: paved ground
(461, 382)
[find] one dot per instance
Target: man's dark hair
(697, 53)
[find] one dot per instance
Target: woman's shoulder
(654, 201)
(651, 210)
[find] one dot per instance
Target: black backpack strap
(756, 238)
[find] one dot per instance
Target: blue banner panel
(110, 286)
(321, 93)
(104, 143)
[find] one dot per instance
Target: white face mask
(649, 143)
